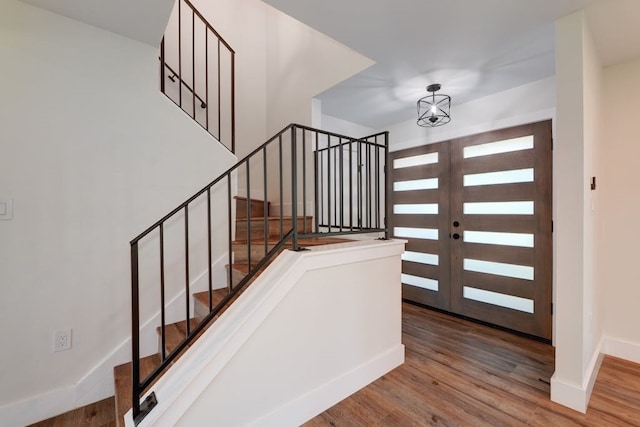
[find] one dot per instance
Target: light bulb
(434, 110)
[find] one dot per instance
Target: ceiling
(142, 20)
(472, 47)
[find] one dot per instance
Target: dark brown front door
(476, 212)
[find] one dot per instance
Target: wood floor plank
(98, 414)
(459, 373)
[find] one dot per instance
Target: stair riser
(241, 251)
(258, 208)
(273, 227)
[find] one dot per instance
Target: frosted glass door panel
(498, 238)
(499, 268)
(414, 209)
(502, 300)
(420, 160)
(420, 258)
(417, 184)
(498, 147)
(416, 233)
(420, 282)
(501, 177)
(498, 208)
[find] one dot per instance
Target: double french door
(476, 212)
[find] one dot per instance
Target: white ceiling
(472, 47)
(142, 20)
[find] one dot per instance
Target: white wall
(301, 63)
(521, 105)
(618, 209)
(315, 327)
(578, 325)
(242, 23)
(92, 154)
(280, 64)
(345, 127)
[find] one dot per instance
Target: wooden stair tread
(218, 295)
(123, 379)
(175, 333)
(306, 241)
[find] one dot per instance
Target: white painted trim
(37, 408)
(190, 375)
(622, 349)
(315, 402)
(97, 383)
(572, 395)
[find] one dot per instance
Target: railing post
(388, 188)
(135, 332)
(162, 71)
(294, 186)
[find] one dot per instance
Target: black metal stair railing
(324, 184)
(197, 72)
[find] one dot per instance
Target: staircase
(175, 333)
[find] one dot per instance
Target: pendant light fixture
(434, 110)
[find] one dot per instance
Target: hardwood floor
(99, 414)
(458, 373)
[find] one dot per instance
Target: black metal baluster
(180, 53)
(163, 322)
(230, 240)
(162, 67)
(317, 195)
(135, 332)
(209, 236)
(294, 186)
(281, 186)
(233, 102)
(368, 185)
(206, 75)
(388, 188)
(248, 216)
(186, 262)
(341, 183)
(193, 62)
(304, 182)
(359, 147)
(265, 205)
(219, 97)
(377, 173)
(329, 183)
(351, 185)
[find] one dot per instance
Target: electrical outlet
(62, 340)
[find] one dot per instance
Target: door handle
(456, 236)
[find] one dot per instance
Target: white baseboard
(315, 402)
(622, 349)
(36, 408)
(577, 396)
(97, 383)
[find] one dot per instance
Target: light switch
(6, 209)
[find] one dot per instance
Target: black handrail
(173, 79)
(210, 97)
(295, 141)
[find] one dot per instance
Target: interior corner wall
(577, 317)
(91, 154)
(619, 209)
(301, 63)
